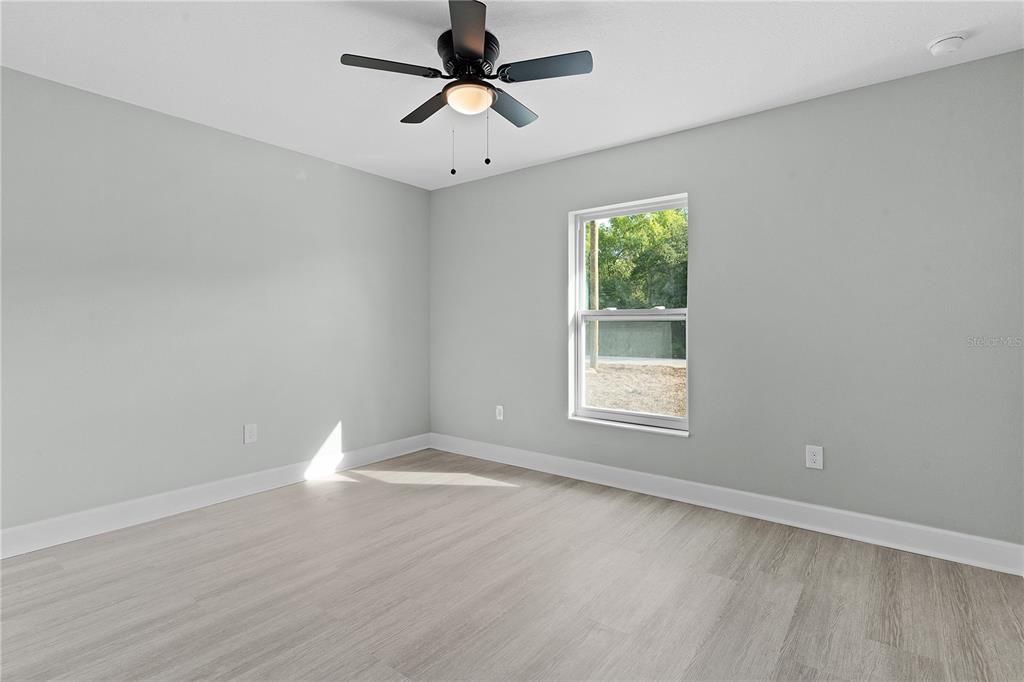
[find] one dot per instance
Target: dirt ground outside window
(636, 387)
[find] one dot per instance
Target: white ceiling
(270, 71)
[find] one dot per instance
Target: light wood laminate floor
(436, 566)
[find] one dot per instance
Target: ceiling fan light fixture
(469, 98)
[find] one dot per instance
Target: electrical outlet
(814, 457)
(499, 413)
(249, 434)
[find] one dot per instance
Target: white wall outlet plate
(814, 457)
(249, 434)
(499, 412)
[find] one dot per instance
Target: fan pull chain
(453, 151)
(487, 117)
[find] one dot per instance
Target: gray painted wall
(842, 252)
(164, 283)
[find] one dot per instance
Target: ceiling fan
(468, 53)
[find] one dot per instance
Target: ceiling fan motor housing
(455, 65)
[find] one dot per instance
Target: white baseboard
(996, 555)
(58, 530)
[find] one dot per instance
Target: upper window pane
(640, 261)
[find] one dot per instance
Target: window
(627, 345)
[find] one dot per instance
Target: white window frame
(579, 316)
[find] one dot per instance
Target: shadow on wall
(330, 458)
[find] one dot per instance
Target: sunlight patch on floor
(336, 477)
(433, 478)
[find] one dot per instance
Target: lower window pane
(636, 366)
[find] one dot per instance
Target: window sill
(660, 430)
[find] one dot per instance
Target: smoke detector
(946, 44)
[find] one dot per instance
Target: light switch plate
(249, 434)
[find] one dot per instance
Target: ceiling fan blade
(571, 64)
(385, 65)
(468, 19)
(512, 109)
(426, 110)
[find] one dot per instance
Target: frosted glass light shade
(469, 98)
